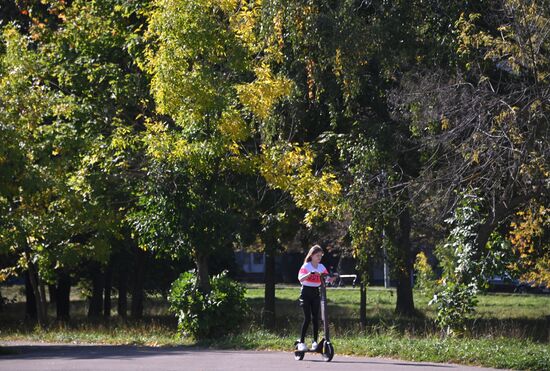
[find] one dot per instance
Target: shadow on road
(90, 351)
(388, 363)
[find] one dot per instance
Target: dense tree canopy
(183, 129)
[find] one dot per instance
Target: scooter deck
(325, 348)
(319, 348)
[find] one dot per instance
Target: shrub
(462, 272)
(204, 315)
(425, 278)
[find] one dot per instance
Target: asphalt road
(45, 357)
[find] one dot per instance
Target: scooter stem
(324, 315)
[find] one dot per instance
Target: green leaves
(70, 97)
(463, 275)
(203, 315)
(466, 264)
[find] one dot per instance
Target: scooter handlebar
(325, 274)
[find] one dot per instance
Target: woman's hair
(314, 250)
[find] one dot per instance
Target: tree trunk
(202, 272)
(136, 309)
(122, 306)
(121, 260)
(39, 296)
(42, 292)
(107, 292)
(63, 296)
(53, 294)
(363, 305)
(30, 299)
(269, 294)
(96, 300)
(499, 212)
(405, 302)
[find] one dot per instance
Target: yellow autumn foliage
(525, 236)
(244, 20)
(512, 48)
(426, 278)
(261, 95)
(289, 167)
(233, 127)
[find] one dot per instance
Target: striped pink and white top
(314, 280)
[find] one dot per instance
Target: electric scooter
(324, 346)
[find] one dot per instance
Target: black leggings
(310, 302)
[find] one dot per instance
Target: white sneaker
(314, 345)
(302, 347)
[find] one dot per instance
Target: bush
(462, 269)
(204, 315)
(454, 304)
(426, 280)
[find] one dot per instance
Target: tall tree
(485, 126)
(212, 76)
(78, 62)
(343, 61)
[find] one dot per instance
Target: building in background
(252, 267)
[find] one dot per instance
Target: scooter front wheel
(298, 355)
(328, 352)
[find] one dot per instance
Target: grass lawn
(508, 330)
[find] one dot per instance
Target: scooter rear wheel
(328, 352)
